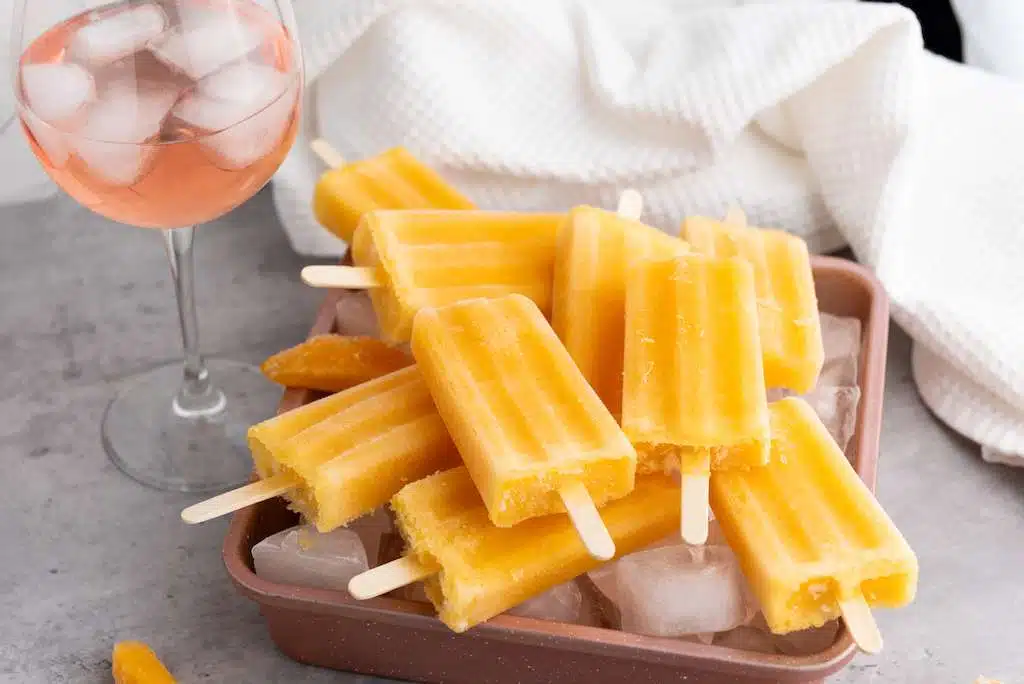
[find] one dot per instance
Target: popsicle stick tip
(388, 577)
(861, 623)
(237, 499)
(345, 277)
(327, 154)
(631, 204)
(736, 217)
(587, 521)
(693, 520)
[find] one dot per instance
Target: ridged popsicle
(349, 453)
(394, 179)
(435, 258)
(809, 534)
(525, 420)
(694, 385)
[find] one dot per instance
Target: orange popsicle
(394, 179)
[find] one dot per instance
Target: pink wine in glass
(162, 114)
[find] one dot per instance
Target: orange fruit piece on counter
(135, 663)
(332, 363)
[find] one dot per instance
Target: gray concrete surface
(89, 557)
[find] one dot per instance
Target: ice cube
(115, 142)
(807, 641)
(371, 528)
(57, 97)
(303, 557)
(746, 639)
(842, 338)
(114, 35)
(206, 42)
(57, 93)
(355, 315)
(837, 408)
(246, 118)
(564, 603)
(678, 590)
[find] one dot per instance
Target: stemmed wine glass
(165, 114)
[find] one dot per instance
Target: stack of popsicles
(583, 384)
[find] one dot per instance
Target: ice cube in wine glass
(243, 111)
(57, 97)
(206, 42)
(115, 142)
(117, 34)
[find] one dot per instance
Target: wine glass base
(157, 446)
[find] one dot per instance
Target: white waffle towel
(827, 119)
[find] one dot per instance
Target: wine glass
(165, 114)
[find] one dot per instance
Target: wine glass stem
(197, 397)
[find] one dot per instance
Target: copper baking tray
(403, 640)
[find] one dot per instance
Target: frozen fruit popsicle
(693, 389)
(392, 180)
(474, 570)
(790, 331)
(332, 363)
(592, 256)
(811, 539)
(345, 455)
(133, 662)
(534, 435)
(414, 259)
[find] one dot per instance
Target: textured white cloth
(826, 119)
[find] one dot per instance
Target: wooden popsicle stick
(388, 577)
(736, 217)
(345, 277)
(587, 521)
(236, 499)
(631, 204)
(693, 511)
(861, 623)
(327, 154)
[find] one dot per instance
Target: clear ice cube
(676, 590)
(564, 603)
(837, 408)
(115, 35)
(246, 112)
(127, 116)
(303, 557)
(206, 42)
(57, 93)
(371, 529)
(57, 97)
(842, 339)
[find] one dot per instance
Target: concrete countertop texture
(91, 557)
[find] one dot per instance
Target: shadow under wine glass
(165, 114)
